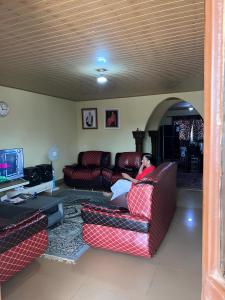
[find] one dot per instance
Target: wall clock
(4, 109)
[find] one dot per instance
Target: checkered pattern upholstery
(140, 200)
(127, 162)
(116, 239)
(16, 258)
(87, 173)
(153, 202)
(22, 231)
(114, 218)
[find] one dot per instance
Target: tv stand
(16, 189)
(12, 184)
(42, 187)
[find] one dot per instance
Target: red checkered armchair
(23, 237)
(139, 230)
(87, 172)
(126, 162)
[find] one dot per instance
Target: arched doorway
(178, 136)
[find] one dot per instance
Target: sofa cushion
(129, 160)
(92, 214)
(91, 158)
(85, 174)
(10, 215)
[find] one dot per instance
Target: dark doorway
(181, 140)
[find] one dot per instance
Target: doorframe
(213, 283)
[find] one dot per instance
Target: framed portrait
(112, 118)
(89, 118)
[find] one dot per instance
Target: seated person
(122, 186)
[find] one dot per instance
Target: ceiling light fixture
(101, 60)
(190, 108)
(101, 79)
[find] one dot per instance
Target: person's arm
(128, 177)
(141, 169)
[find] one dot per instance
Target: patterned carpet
(191, 181)
(65, 241)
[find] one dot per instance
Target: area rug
(192, 181)
(65, 240)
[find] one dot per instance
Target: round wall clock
(4, 109)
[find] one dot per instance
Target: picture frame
(89, 118)
(112, 118)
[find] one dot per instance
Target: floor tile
(175, 284)
(174, 273)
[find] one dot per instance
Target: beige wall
(36, 122)
(134, 113)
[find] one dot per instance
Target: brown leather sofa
(125, 162)
(87, 172)
(93, 169)
(140, 230)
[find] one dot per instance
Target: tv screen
(11, 164)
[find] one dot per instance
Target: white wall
(35, 123)
(134, 113)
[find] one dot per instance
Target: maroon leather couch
(140, 230)
(23, 237)
(87, 172)
(125, 162)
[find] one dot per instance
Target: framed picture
(89, 118)
(112, 118)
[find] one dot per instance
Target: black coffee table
(51, 206)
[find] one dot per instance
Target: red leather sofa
(126, 162)
(23, 237)
(87, 172)
(140, 230)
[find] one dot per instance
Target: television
(11, 164)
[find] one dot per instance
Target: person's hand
(141, 168)
(126, 176)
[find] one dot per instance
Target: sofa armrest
(140, 200)
(73, 166)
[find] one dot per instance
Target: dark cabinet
(169, 142)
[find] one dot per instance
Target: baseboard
(59, 181)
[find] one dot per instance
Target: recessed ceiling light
(101, 59)
(102, 79)
(190, 108)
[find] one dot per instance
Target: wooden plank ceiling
(54, 47)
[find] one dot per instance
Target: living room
(38, 120)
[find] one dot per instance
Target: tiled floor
(173, 274)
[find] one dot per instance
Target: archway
(176, 131)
